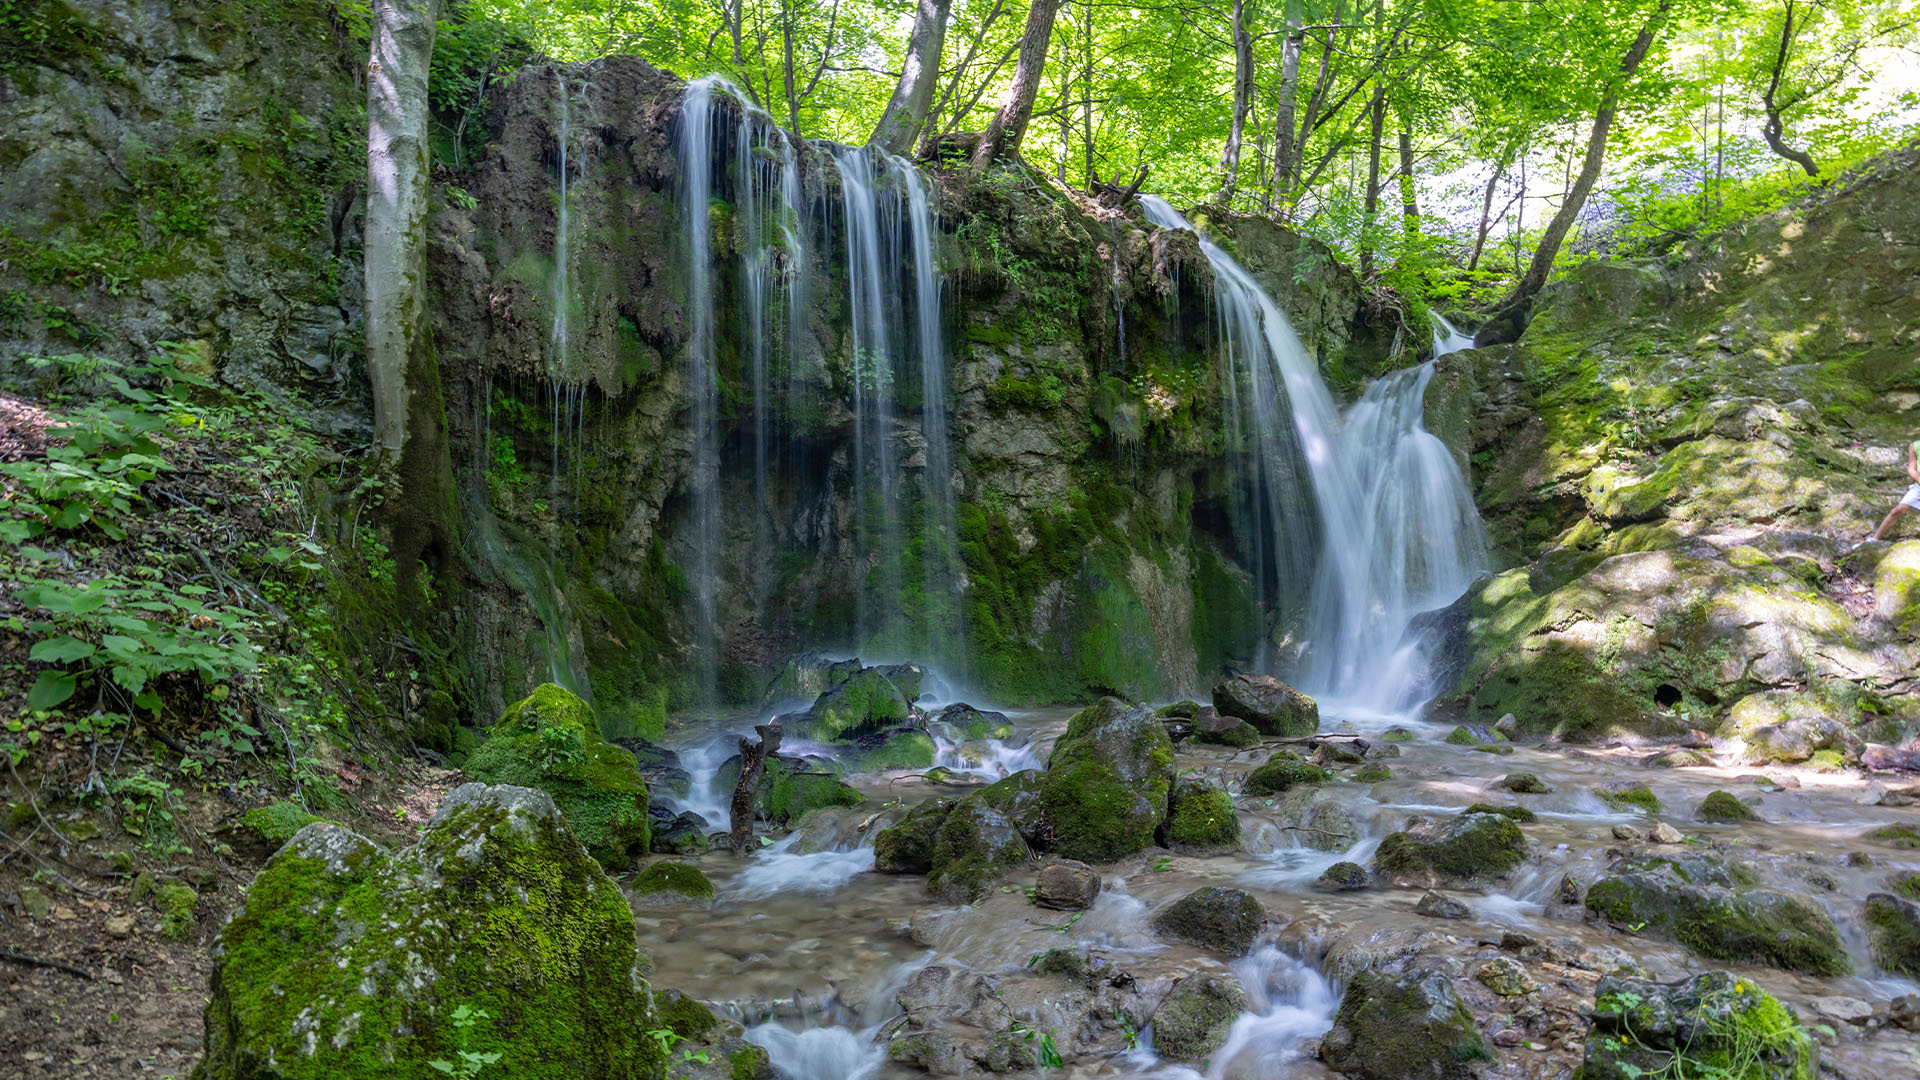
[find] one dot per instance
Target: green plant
(1044, 1048)
(668, 1038)
(1131, 1033)
(471, 1062)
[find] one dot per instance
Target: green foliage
(178, 906)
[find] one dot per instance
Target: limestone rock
(1066, 885)
(1628, 833)
(1107, 782)
(1664, 833)
(1465, 848)
(345, 960)
(1397, 1027)
(1722, 806)
(1893, 931)
(866, 700)
(1708, 907)
(1345, 877)
(1523, 783)
(669, 882)
(1229, 920)
(1268, 704)
(1211, 726)
(1641, 1027)
(1506, 977)
(1194, 1019)
(1283, 771)
(1440, 906)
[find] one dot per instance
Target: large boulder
(1066, 885)
(1643, 1028)
(1200, 819)
(1229, 920)
(1282, 772)
(1268, 704)
(1893, 931)
(1193, 1021)
(1404, 1027)
(1819, 739)
(805, 678)
(1107, 782)
(1464, 848)
(1706, 906)
(868, 700)
(963, 846)
(551, 741)
(345, 960)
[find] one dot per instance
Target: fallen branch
(24, 960)
(753, 762)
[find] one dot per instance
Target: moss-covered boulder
(345, 960)
(794, 790)
(1723, 806)
(1193, 1020)
(1821, 740)
(1268, 704)
(1516, 813)
(1706, 906)
(974, 847)
(1021, 797)
(805, 678)
(262, 830)
(907, 847)
(1229, 920)
(551, 742)
(902, 748)
(1107, 782)
(869, 699)
(1215, 729)
(1715, 1024)
(1893, 932)
(1630, 796)
(1282, 772)
(668, 882)
(1200, 819)
(1466, 848)
(1400, 1027)
(1344, 877)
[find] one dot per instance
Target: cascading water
(695, 149)
(1369, 507)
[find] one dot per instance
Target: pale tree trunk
(1003, 135)
(396, 241)
(1086, 80)
(1776, 127)
(1378, 109)
(906, 115)
(1409, 189)
(1242, 101)
(787, 76)
(1486, 212)
(1536, 276)
(1283, 110)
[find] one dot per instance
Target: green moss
(907, 848)
(682, 1015)
(1396, 734)
(1282, 774)
(1694, 902)
(277, 822)
(1517, 813)
(867, 699)
(901, 750)
(1474, 845)
(1523, 783)
(178, 906)
(974, 847)
(1194, 1019)
(1637, 797)
(1893, 928)
(551, 741)
(1373, 774)
(750, 1062)
(1107, 782)
(1722, 806)
(1900, 836)
(1717, 1027)
(792, 794)
(673, 877)
(1201, 819)
(1906, 884)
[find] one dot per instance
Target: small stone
(1507, 725)
(200, 877)
(1513, 941)
(1568, 891)
(120, 925)
(1846, 1009)
(1436, 906)
(34, 902)
(1627, 833)
(1509, 1037)
(1905, 1012)
(1664, 833)
(1066, 885)
(1525, 783)
(1396, 734)
(1504, 976)
(1344, 877)
(1229, 920)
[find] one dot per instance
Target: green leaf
(61, 650)
(52, 688)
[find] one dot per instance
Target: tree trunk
(1086, 79)
(746, 793)
(1409, 190)
(1378, 108)
(1536, 276)
(906, 115)
(1242, 101)
(786, 48)
(1486, 214)
(1776, 127)
(1283, 110)
(1009, 126)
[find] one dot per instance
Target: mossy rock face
(805, 678)
(668, 880)
(1525, 783)
(1229, 920)
(682, 1015)
(1716, 1024)
(792, 791)
(974, 847)
(1021, 797)
(1108, 781)
(1474, 735)
(1905, 884)
(868, 699)
(907, 848)
(347, 961)
(1516, 813)
(901, 749)
(1201, 819)
(262, 830)
(1193, 1021)
(1268, 704)
(1701, 903)
(1345, 877)
(550, 742)
(1470, 847)
(1282, 772)
(1630, 797)
(1396, 1027)
(1723, 806)
(1893, 930)
(1900, 836)
(1217, 730)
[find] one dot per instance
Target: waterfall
(1393, 531)
(695, 148)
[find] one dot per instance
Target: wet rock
(869, 699)
(1268, 704)
(1396, 734)
(1904, 1012)
(1345, 877)
(1194, 1019)
(1398, 1027)
(1891, 759)
(659, 766)
(1907, 796)
(1798, 739)
(897, 748)
(1066, 885)
(1628, 834)
(1506, 977)
(1722, 806)
(1475, 735)
(1846, 1010)
(304, 978)
(1629, 796)
(1336, 752)
(804, 678)
(1439, 906)
(1020, 797)
(1179, 710)
(1200, 819)
(1664, 833)
(933, 1051)
(1680, 757)
(970, 723)
(1640, 1028)
(1372, 774)
(1507, 726)
(1568, 891)
(1893, 932)
(671, 882)
(1107, 782)
(907, 847)
(1283, 771)
(1328, 826)
(1214, 728)
(1525, 783)
(1468, 847)
(974, 846)
(1227, 920)
(550, 741)
(1708, 907)
(1515, 813)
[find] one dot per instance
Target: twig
(34, 961)
(1303, 828)
(36, 857)
(31, 801)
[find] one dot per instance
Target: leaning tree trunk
(1536, 276)
(1242, 102)
(409, 416)
(1776, 127)
(1009, 126)
(1378, 108)
(906, 115)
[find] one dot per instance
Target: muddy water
(808, 946)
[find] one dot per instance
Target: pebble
(1505, 976)
(1664, 833)
(1627, 832)
(120, 925)
(1850, 1010)
(1905, 1012)
(1434, 905)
